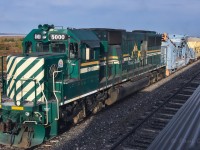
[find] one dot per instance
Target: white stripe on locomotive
(10, 73)
(27, 75)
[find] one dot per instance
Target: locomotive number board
(56, 37)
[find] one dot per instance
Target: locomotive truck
(65, 74)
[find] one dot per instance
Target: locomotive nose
(25, 78)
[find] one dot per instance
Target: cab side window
(73, 50)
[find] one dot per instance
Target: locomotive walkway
(142, 133)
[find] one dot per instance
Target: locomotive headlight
(44, 32)
(27, 114)
(44, 37)
(18, 103)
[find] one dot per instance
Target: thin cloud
(175, 16)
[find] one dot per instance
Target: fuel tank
(119, 92)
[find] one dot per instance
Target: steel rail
(124, 137)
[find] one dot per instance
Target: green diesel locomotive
(65, 74)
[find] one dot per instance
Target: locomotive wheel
(25, 142)
(113, 96)
(98, 108)
(153, 77)
(79, 117)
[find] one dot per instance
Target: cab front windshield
(51, 47)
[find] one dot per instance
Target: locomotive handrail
(47, 114)
(2, 72)
(30, 122)
(54, 92)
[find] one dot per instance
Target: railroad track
(141, 133)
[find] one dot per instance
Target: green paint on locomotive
(61, 66)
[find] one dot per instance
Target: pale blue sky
(172, 16)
